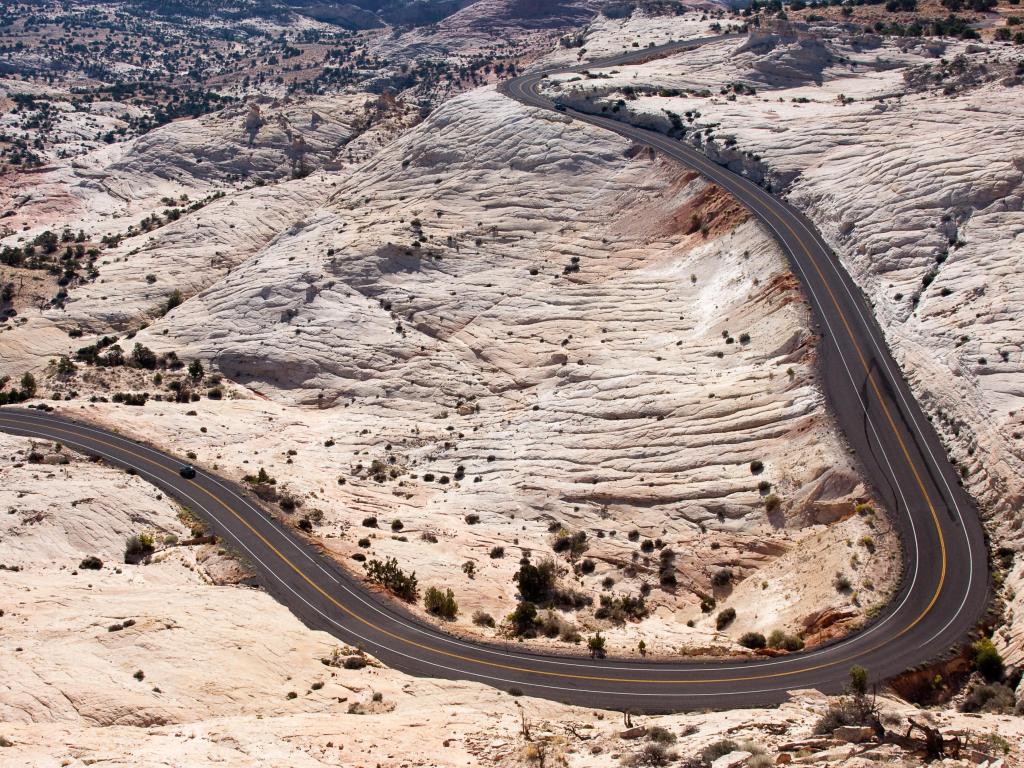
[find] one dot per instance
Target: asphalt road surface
(945, 583)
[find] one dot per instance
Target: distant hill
(357, 14)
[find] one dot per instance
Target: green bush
(725, 618)
(137, 547)
(858, 680)
(621, 609)
(523, 619)
(143, 357)
(596, 645)
(783, 641)
(660, 735)
(752, 640)
(987, 660)
(483, 619)
(260, 478)
(573, 544)
(174, 300)
(441, 603)
(718, 749)
(990, 697)
(722, 577)
(842, 713)
(392, 578)
(536, 581)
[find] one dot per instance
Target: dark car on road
(187, 471)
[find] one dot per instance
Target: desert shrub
(652, 753)
(91, 563)
(756, 467)
(858, 680)
(718, 749)
(752, 640)
(441, 603)
(587, 566)
(64, 366)
(472, 519)
(483, 619)
(397, 525)
(725, 617)
(667, 568)
(289, 502)
(469, 568)
(369, 522)
(392, 578)
(137, 547)
(661, 735)
(722, 577)
(173, 300)
(536, 582)
(353, 662)
(842, 582)
(620, 609)
(783, 641)
(143, 357)
(772, 503)
(523, 620)
(596, 645)
(550, 624)
(990, 697)
(837, 715)
(497, 552)
(572, 544)
(260, 478)
(569, 634)
(130, 398)
(987, 660)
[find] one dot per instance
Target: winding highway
(945, 584)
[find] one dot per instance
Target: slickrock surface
(601, 341)
(262, 140)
